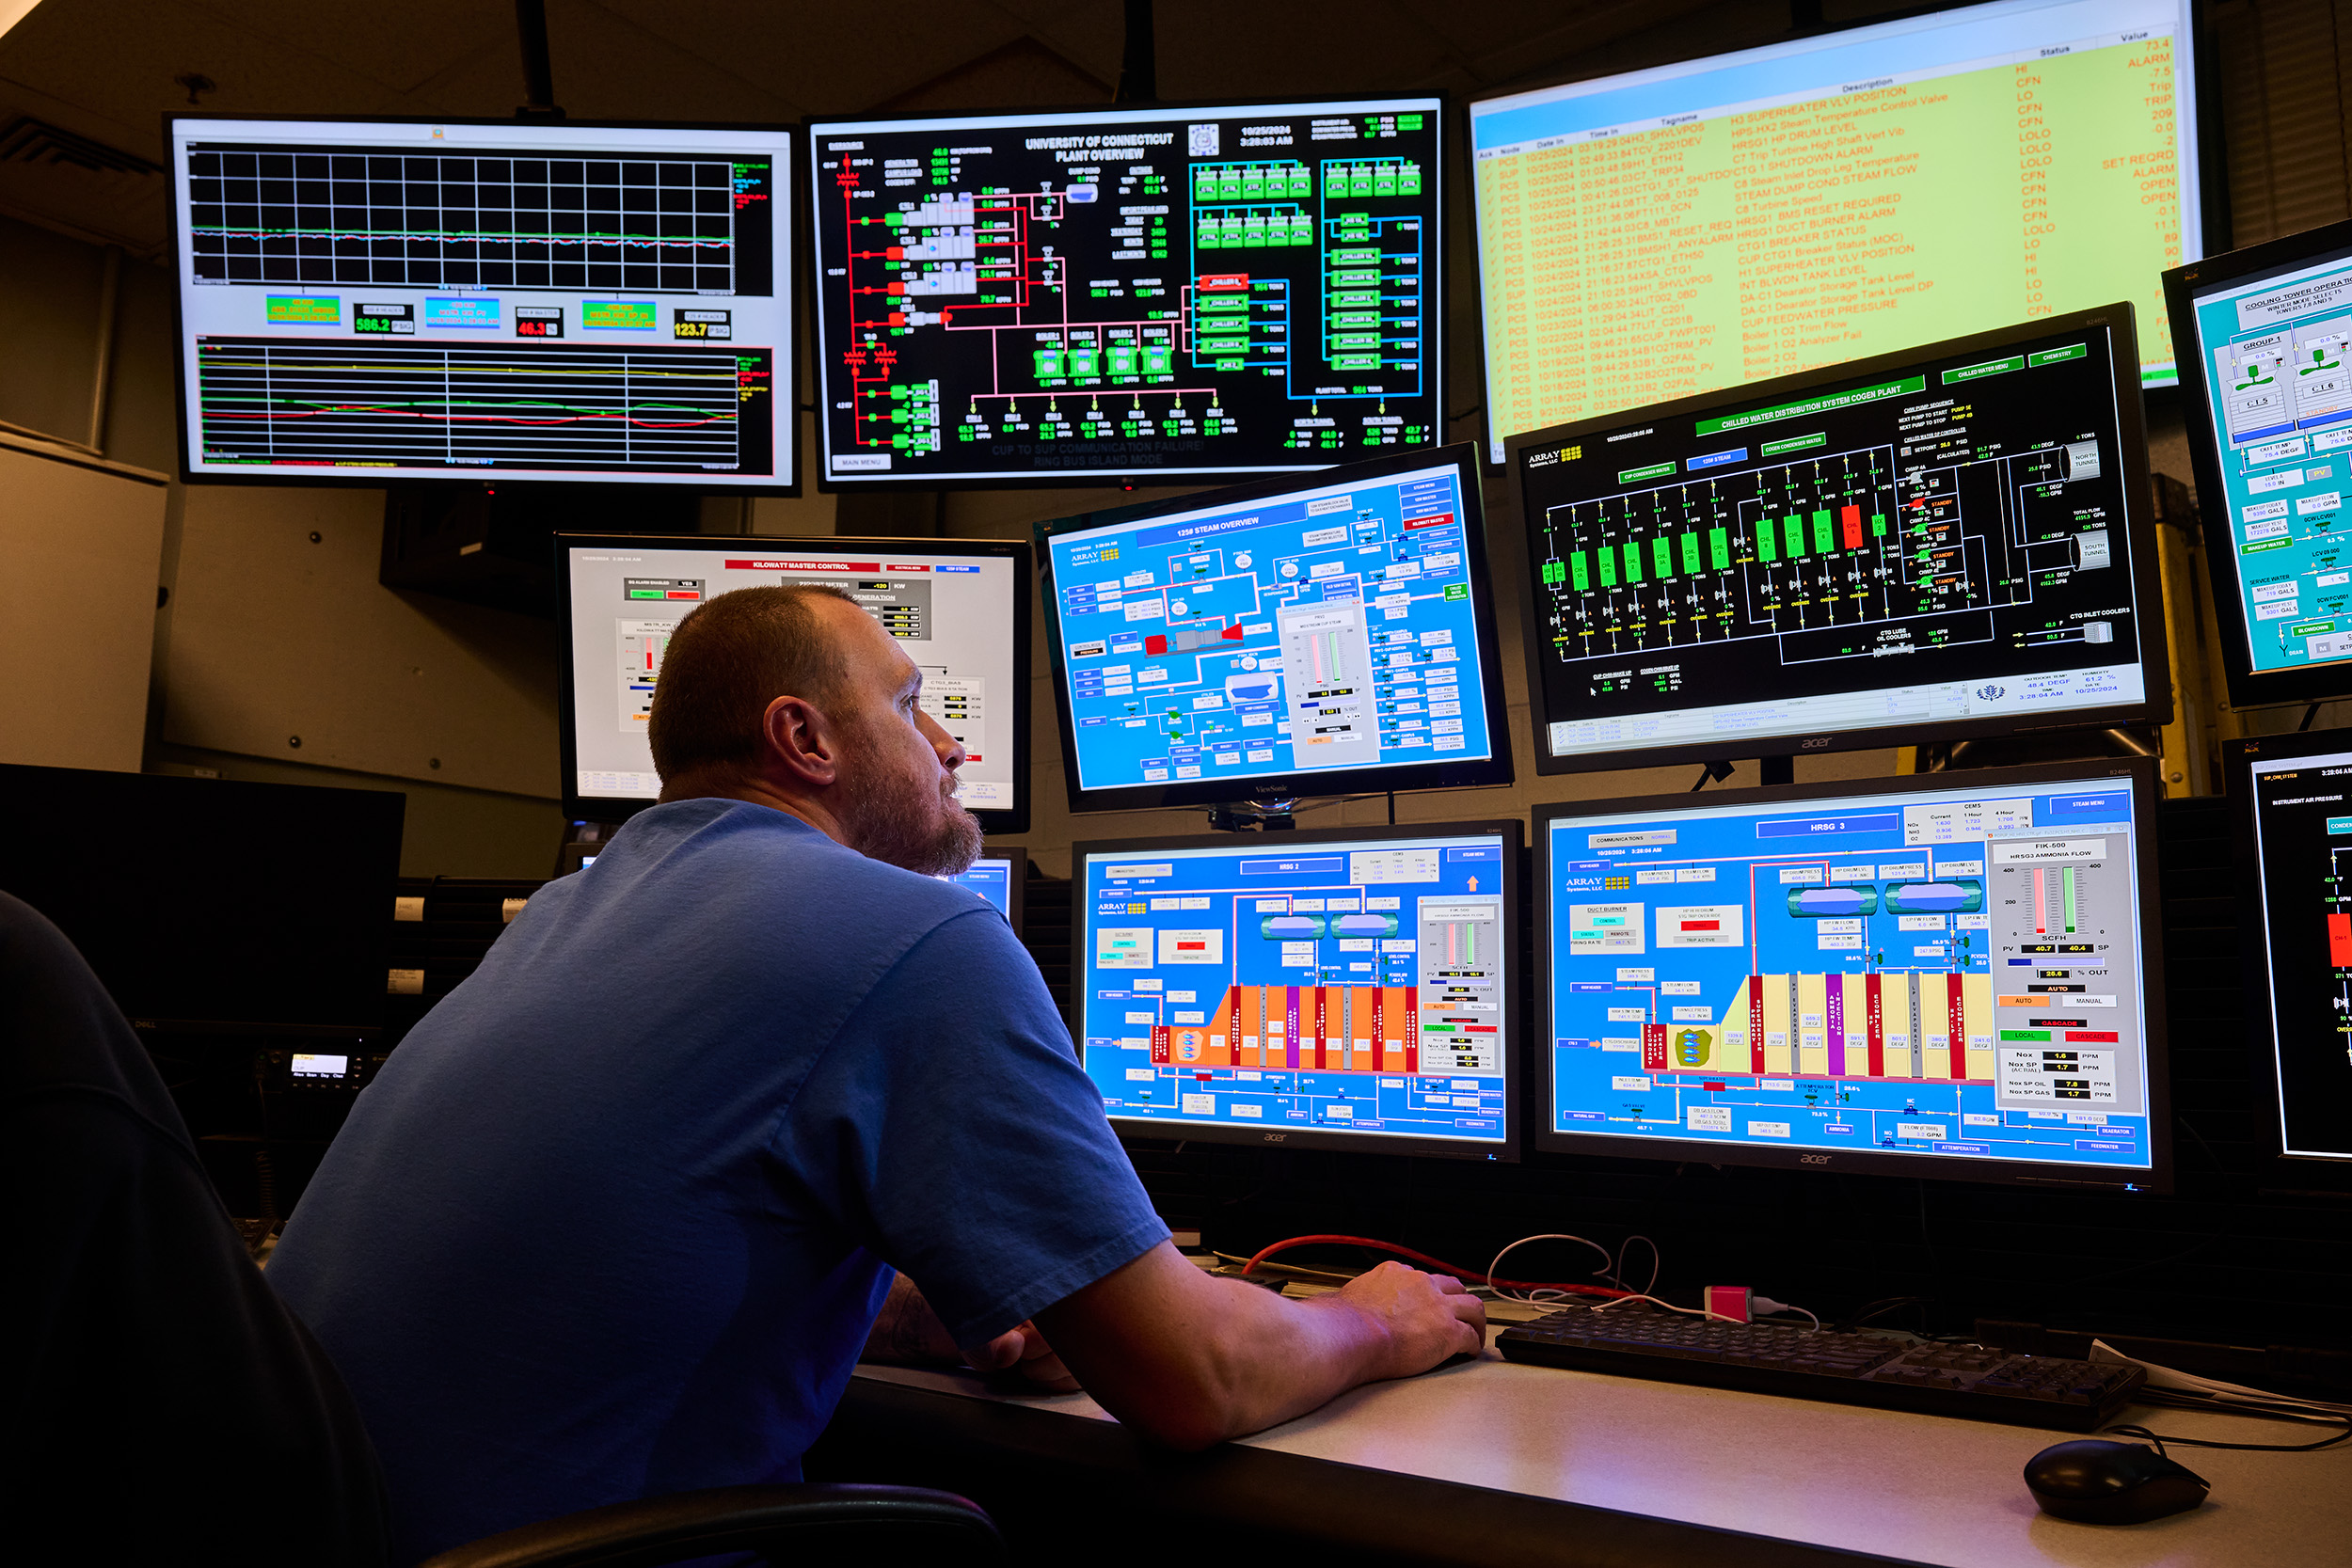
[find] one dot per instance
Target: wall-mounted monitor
(361, 300)
(960, 608)
(1311, 636)
(1944, 976)
(1950, 542)
(2292, 798)
(1126, 294)
(1354, 988)
(2268, 383)
(998, 877)
(1654, 235)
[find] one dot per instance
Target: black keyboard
(1849, 1368)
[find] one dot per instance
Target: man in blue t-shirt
(620, 1215)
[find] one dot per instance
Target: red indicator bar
(1755, 1022)
(1192, 947)
(681, 594)
(894, 566)
(1849, 517)
(1438, 521)
(1873, 1010)
(1159, 1042)
(1701, 924)
(1412, 1028)
(1958, 1023)
(1225, 281)
(2091, 1037)
(1653, 1047)
(2339, 941)
(779, 565)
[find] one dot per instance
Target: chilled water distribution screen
(2303, 836)
(479, 301)
(1649, 236)
(1931, 546)
(1128, 291)
(953, 613)
(1946, 972)
(1332, 628)
(1329, 987)
(2281, 393)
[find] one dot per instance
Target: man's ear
(798, 740)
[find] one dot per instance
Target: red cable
(1439, 1263)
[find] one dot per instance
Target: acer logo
(1814, 1159)
(1813, 744)
(1276, 1137)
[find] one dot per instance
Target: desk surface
(1919, 1488)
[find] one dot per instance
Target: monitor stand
(1769, 770)
(1265, 817)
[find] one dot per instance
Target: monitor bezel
(1497, 770)
(2240, 757)
(787, 393)
(2248, 687)
(2211, 206)
(592, 808)
(2138, 527)
(2141, 774)
(814, 127)
(1511, 830)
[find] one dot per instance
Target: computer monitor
(370, 299)
(2268, 389)
(1950, 542)
(1653, 234)
(959, 606)
(998, 877)
(1306, 635)
(1942, 975)
(212, 905)
(1353, 989)
(1127, 293)
(2292, 798)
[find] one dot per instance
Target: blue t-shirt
(614, 1221)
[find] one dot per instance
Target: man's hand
(907, 1331)
(1424, 1318)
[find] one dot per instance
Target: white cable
(1495, 1267)
(1686, 1311)
(1657, 1262)
(1766, 1303)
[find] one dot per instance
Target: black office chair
(163, 1405)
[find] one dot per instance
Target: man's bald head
(728, 660)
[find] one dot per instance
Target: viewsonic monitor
(368, 299)
(1654, 235)
(1944, 976)
(2292, 798)
(1354, 988)
(2268, 404)
(960, 608)
(213, 906)
(1954, 541)
(1126, 294)
(998, 877)
(1311, 636)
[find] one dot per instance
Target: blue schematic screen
(1948, 973)
(1330, 627)
(991, 879)
(1337, 987)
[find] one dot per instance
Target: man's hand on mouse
(1424, 1317)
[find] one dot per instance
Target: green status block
(1632, 561)
(1048, 364)
(1661, 554)
(1792, 533)
(1155, 359)
(1719, 549)
(1767, 546)
(1084, 362)
(1608, 566)
(1122, 361)
(1823, 542)
(1576, 573)
(1690, 553)
(1877, 525)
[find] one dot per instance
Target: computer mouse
(2095, 1482)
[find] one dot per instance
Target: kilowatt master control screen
(2279, 390)
(1945, 542)
(1129, 293)
(1271, 988)
(474, 300)
(1666, 232)
(2302, 820)
(954, 613)
(1948, 973)
(1328, 629)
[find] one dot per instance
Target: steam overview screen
(1335, 987)
(953, 614)
(1943, 972)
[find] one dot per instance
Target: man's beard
(894, 821)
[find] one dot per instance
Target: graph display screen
(2270, 428)
(365, 300)
(1937, 981)
(1127, 293)
(958, 609)
(2293, 797)
(1284, 638)
(1323, 989)
(1652, 236)
(1918, 548)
